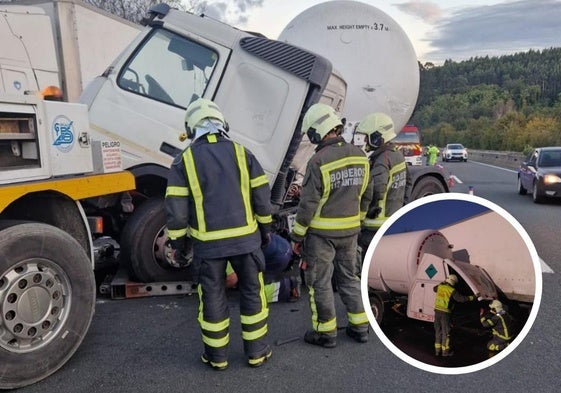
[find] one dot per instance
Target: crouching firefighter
(501, 324)
(219, 197)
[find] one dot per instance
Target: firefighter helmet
(199, 110)
(496, 306)
(378, 128)
(452, 279)
(318, 121)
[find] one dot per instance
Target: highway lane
(152, 344)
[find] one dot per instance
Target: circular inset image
(451, 283)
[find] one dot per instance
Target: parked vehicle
(541, 173)
(408, 141)
(49, 169)
(455, 151)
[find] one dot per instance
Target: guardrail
(504, 159)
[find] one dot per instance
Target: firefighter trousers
(213, 305)
(326, 258)
(441, 331)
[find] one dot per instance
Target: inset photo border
(441, 239)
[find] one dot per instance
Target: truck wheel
(47, 299)
(143, 246)
(377, 307)
(427, 185)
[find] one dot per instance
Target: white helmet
(199, 110)
(452, 279)
(379, 129)
(318, 121)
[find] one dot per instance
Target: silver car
(455, 151)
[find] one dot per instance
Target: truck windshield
(169, 68)
(407, 137)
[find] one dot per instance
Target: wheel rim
(35, 297)
(160, 248)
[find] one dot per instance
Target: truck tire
(143, 245)
(47, 300)
(377, 307)
(427, 185)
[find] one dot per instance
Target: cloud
(426, 11)
(231, 12)
(496, 30)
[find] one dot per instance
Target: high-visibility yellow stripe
(264, 219)
(176, 233)
(223, 233)
(335, 223)
(299, 229)
(254, 335)
(195, 188)
(259, 181)
(255, 318)
(76, 188)
(177, 191)
(358, 318)
(321, 327)
(216, 342)
(215, 326)
(244, 183)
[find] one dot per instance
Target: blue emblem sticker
(431, 271)
(63, 133)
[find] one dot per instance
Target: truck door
(144, 104)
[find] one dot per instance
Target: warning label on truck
(111, 156)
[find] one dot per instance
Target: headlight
(551, 179)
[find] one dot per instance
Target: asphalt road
(153, 344)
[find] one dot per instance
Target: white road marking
(494, 166)
(545, 267)
(456, 179)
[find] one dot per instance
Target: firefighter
(218, 196)
(501, 323)
(432, 154)
(333, 201)
(388, 173)
(446, 298)
(282, 281)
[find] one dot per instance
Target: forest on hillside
(510, 103)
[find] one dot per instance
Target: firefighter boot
(361, 337)
(218, 366)
(258, 361)
(321, 339)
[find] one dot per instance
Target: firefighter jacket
(390, 179)
(218, 194)
(447, 296)
(501, 323)
(335, 191)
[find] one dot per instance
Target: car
(455, 151)
(540, 173)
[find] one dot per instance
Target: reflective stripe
(259, 181)
(357, 319)
(335, 223)
(216, 342)
(255, 334)
(211, 138)
(379, 221)
(201, 232)
(176, 233)
(251, 319)
(264, 219)
(177, 191)
(215, 326)
(506, 336)
(321, 327)
(299, 229)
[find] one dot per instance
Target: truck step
(119, 286)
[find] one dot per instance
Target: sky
(435, 215)
(438, 29)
